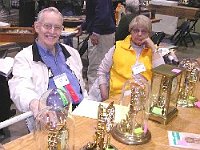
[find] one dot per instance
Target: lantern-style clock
(166, 82)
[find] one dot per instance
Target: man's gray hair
(48, 9)
(132, 6)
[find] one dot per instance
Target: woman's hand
(104, 91)
(150, 44)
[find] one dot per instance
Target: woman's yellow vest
(124, 58)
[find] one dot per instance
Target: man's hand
(80, 31)
(49, 116)
(34, 104)
(94, 38)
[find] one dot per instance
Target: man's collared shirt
(57, 65)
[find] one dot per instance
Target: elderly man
(38, 67)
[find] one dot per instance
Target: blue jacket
(99, 17)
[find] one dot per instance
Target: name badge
(61, 80)
(138, 68)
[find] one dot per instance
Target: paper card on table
(4, 24)
(184, 140)
(89, 108)
(6, 65)
(157, 110)
(69, 32)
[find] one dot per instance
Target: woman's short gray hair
(141, 21)
(49, 9)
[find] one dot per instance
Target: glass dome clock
(54, 125)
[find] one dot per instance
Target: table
(170, 16)
(5, 44)
(186, 121)
(17, 34)
(177, 11)
(6, 47)
(73, 21)
(71, 33)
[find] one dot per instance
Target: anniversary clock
(188, 90)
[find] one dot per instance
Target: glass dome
(54, 125)
(1, 147)
(55, 98)
(187, 91)
(133, 129)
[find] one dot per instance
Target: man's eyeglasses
(143, 31)
(49, 26)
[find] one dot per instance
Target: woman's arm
(103, 73)
(157, 59)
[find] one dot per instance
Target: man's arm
(103, 14)
(21, 86)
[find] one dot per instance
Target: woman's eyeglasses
(142, 31)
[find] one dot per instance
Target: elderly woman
(136, 50)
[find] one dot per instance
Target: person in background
(120, 9)
(131, 10)
(66, 7)
(39, 66)
(136, 50)
(100, 24)
(69, 8)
